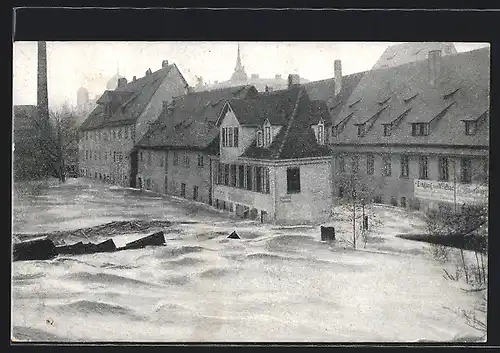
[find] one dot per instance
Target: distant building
(175, 154)
(417, 133)
(239, 77)
(120, 119)
(404, 53)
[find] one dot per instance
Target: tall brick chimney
(435, 59)
(337, 67)
(43, 99)
(42, 91)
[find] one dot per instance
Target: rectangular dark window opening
(293, 180)
(443, 169)
(423, 167)
(370, 164)
(405, 168)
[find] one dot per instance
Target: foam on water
(274, 284)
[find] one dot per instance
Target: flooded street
(275, 284)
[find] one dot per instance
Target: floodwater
(274, 284)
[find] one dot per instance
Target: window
(236, 137)
(420, 129)
(107, 110)
(423, 167)
(114, 134)
(258, 179)
(95, 156)
(387, 170)
(105, 155)
(86, 155)
(267, 136)
(186, 160)
(226, 174)
(403, 202)
(266, 180)
(443, 168)
(470, 127)
(293, 180)
(466, 175)
(249, 177)
(126, 132)
(405, 167)
(223, 137)
(361, 129)
(120, 156)
(341, 164)
(114, 156)
(370, 164)
(119, 133)
(132, 132)
(183, 190)
(354, 164)
(195, 192)
(100, 156)
(241, 176)
(259, 138)
(90, 154)
(200, 160)
(149, 157)
(335, 131)
(160, 160)
(387, 130)
(230, 137)
(233, 174)
(321, 133)
(176, 158)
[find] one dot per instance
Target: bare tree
(59, 141)
(357, 191)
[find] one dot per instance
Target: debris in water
(39, 249)
(234, 235)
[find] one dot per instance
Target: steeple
(239, 73)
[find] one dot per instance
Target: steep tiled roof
(404, 95)
(400, 54)
(190, 122)
(275, 106)
(296, 138)
(324, 90)
(131, 100)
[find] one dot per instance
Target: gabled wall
(172, 86)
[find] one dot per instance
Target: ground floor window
(403, 202)
(293, 180)
(394, 201)
(195, 192)
(183, 190)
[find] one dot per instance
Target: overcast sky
(72, 65)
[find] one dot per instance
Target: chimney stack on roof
(148, 72)
(293, 80)
(134, 79)
(435, 58)
(164, 63)
(122, 81)
(337, 68)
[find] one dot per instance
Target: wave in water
(105, 278)
(96, 307)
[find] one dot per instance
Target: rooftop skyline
(72, 65)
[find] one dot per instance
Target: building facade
(174, 155)
(121, 118)
(274, 164)
(415, 134)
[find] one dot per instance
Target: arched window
(267, 135)
(321, 133)
(259, 138)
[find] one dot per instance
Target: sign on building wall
(450, 192)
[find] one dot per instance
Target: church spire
(239, 73)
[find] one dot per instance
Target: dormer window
(335, 131)
(420, 129)
(470, 127)
(259, 138)
(361, 129)
(107, 109)
(387, 129)
(267, 135)
(321, 133)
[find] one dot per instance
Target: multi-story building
(416, 133)
(274, 163)
(174, 155)
(121, 118)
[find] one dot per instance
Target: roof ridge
(290, 122)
